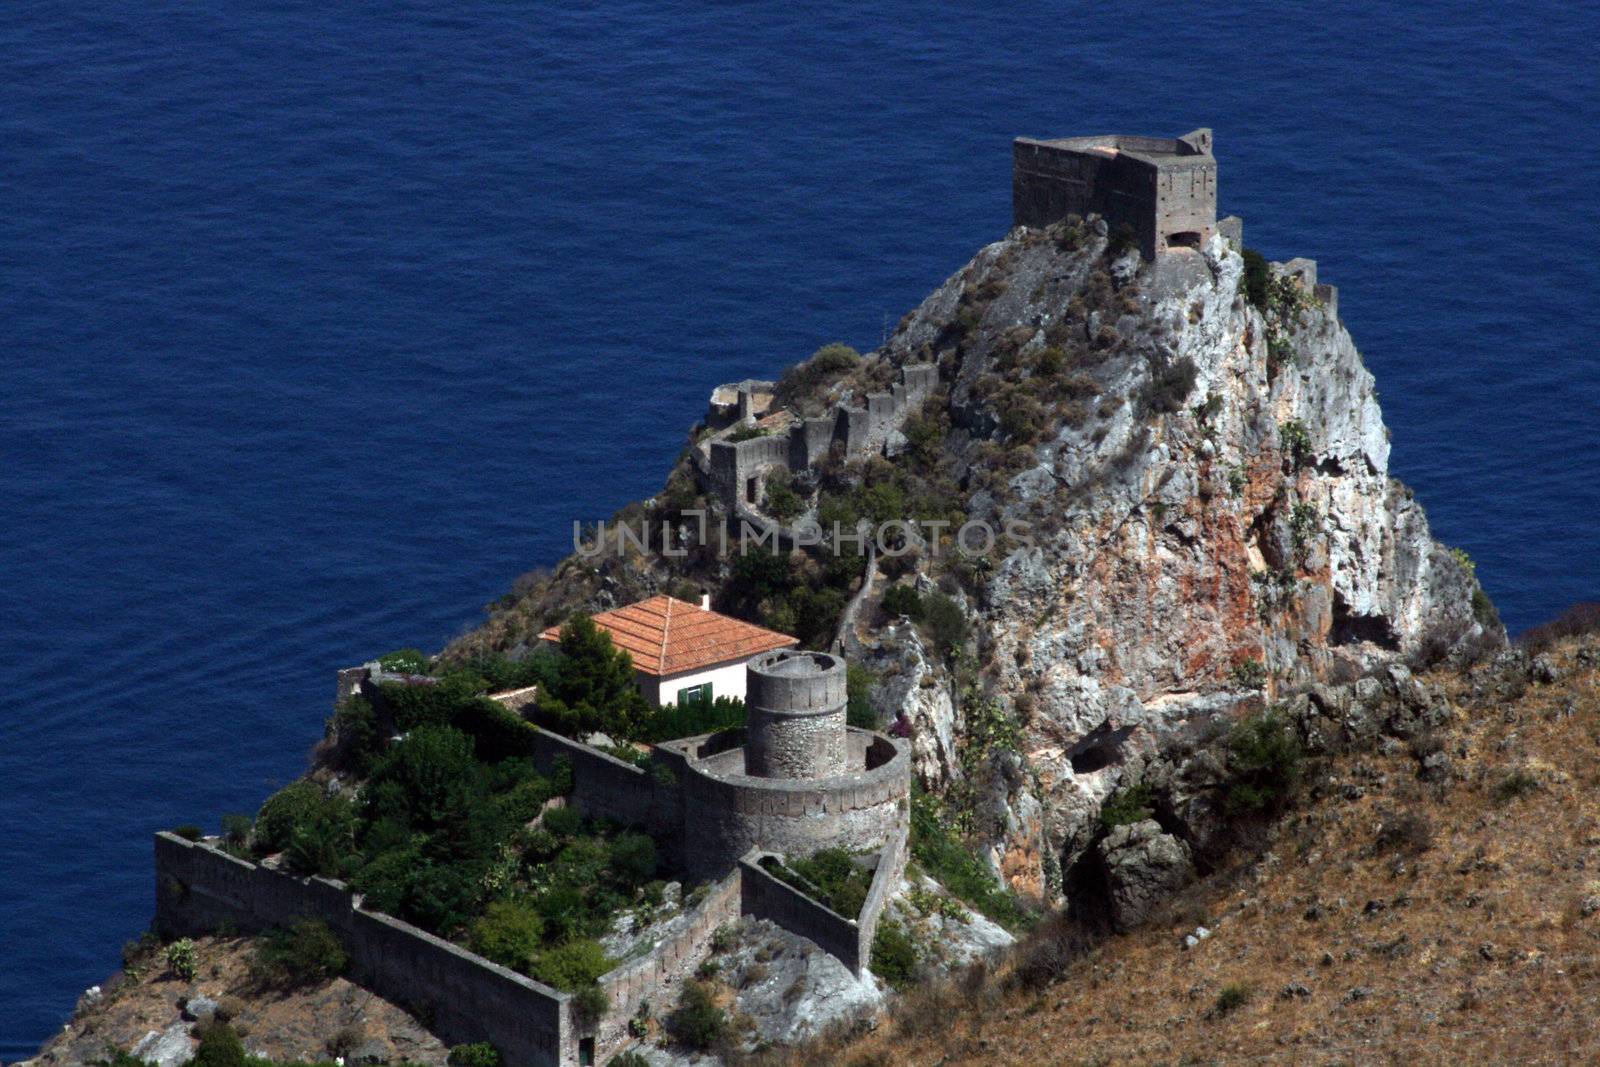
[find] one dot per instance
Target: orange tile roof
(665, 635)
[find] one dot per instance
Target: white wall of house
(727, 680)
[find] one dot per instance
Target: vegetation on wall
(831, 876)
(804, 385)
(950, 860)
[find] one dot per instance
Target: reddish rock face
(1196, 552)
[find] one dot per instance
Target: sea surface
(320, 322)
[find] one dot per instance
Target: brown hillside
(1392, 920)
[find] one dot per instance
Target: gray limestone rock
(200, 1008)
(167, 1048)
(1143, 865)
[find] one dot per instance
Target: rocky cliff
(1196, 453)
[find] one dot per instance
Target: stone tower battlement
(1165, 190)
(795, 707)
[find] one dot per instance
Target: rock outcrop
(1193, 454)
(1211, 509)
(1143, 867)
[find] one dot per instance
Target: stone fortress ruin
(1164, 191)
(724, 808)
(735, 471)
(1161, 190)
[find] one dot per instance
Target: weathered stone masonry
(795, 703)
(200, 888)
(815, 783)
(1164, 190)
(735, 471)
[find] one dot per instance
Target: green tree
(594, 687)
(1265, 761)
(510, 933)
(573, 965)
(427, 781)
(478, 1054)
(282, 812)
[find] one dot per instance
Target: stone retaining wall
(468, 998)
(657, 976)
(766, 896)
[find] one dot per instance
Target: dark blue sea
(321, 322)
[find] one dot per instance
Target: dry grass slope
(1393, 920)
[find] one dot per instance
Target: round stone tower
(795, 716)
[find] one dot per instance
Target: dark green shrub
(802, 384)
(286, 809)
(633, 859)
(1256, 276)
(835, 879)
(431, 702)
(497, 732)
(573, 965)
(747, 432)
(355, 733)
(189, 831)
(219, 1047)
(427, 781)
(404, 661)
(698, 1022)
(1265, 761)
(323, 841)
(1131, 804)
(621, 1059)
(307, 953)
(563, 822)
(1518, 783)
(477, 1054)
(782, 503)
(894, 954)
(1295, 440)
(1233, 996)
(510, 932)
(946, 622)
(1169, 386)
(903, 600)
(692, 718)
(538, 667)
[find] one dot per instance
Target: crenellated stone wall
(732, 812)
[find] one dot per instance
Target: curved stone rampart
(731, 812)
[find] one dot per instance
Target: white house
(683, 651)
